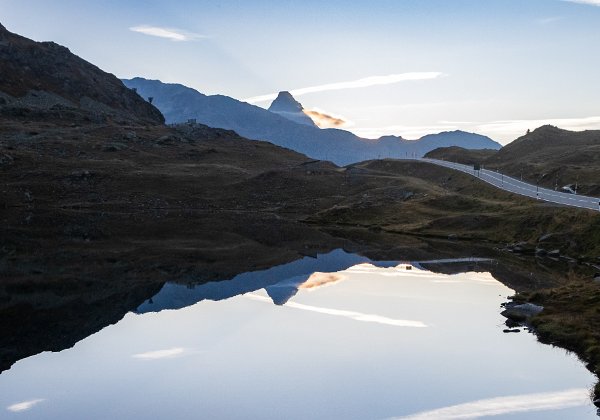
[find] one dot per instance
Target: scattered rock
(6, 159)
(81, 174)
(541, 252)
(545, 237)
(554, 253)
(114, 147)
(512, 324)
(168, 139)
(521, 248)
(516, 330)
(130, 135)
(452, 236)
(521, 312)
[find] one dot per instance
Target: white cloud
(177, 35)
(355, 84)
(160, 354)
(591, 2)
(549, 20)
(24, 405)
(357, 316)
(507, 405)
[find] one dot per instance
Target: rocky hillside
(553, 158)
(548, 156)
(44, 77)
(461, 155)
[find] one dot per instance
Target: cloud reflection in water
(507, 405)
(160, 354)
(357, 316)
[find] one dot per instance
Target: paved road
(522, 188)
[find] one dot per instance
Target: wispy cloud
(354, 84)
(160, 354)
(172, 34)
(24, 405)
(591, 2)
(357, 316)
(549, 20)
(507, 405)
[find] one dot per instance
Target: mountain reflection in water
(368, 339)
(283, 282)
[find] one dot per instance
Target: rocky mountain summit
(288, 107)
(46, 78)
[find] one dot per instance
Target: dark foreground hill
(44, 77)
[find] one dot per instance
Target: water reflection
(283, 282)
(366, 339)
(357, 316)
(160, 354)
(508, 405)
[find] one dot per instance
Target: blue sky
(501, 66)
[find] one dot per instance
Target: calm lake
(332, 337)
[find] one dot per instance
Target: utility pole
(521, 172)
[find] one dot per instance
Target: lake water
(333, 337)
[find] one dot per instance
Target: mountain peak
(288, 107)
(285, 102)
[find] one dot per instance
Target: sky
(402, 67)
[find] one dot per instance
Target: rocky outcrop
(521, 312)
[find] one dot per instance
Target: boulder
(521, 312)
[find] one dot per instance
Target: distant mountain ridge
(179, 103)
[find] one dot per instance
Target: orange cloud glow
(317, 280)
(324, 120)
